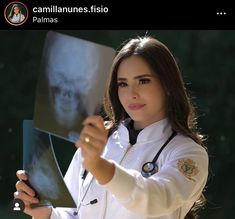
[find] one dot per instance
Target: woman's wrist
(104, 171)
(45, 214)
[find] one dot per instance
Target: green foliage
(206, 59)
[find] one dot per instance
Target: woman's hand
(27, 195)
(92, 141)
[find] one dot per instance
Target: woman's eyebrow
(136, 77)
(143, 76)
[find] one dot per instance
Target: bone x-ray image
(42, 168)
(71, 83)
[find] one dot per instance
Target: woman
(153, 164)
(16, 16)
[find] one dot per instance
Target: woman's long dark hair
(179, 109)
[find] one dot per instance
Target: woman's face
(16, 10)
(140, 92)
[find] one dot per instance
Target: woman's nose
(133, 92)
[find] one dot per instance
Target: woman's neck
(141, 125)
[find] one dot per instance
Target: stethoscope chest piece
(148, 169)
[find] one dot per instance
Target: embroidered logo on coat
(188, 168)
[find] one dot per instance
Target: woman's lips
(135, 106)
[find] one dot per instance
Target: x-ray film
(71, 84)
(44, 174)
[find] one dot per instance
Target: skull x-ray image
(71, 83)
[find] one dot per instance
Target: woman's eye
(122, 84)
(144, 81)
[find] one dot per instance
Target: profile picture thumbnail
(16, 13)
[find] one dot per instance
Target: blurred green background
(207, 61)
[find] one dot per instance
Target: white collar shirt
(168, 194)
(17, 18)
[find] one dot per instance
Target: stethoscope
(150, 168)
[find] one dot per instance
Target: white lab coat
(168, 194)
(17, 18)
